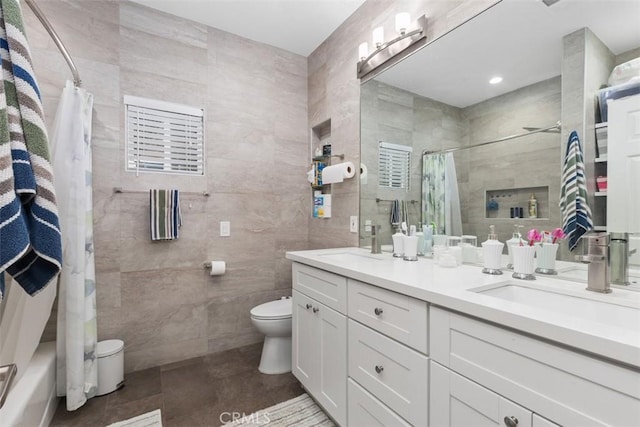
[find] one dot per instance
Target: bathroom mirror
(441, 98)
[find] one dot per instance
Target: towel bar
(120, 190)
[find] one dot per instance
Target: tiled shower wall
(334, 91)
(157, 296)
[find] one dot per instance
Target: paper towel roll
(337, 173)
(218, 268)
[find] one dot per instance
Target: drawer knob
(316, 309)
(308, 306)
(377, 311)
(379, 369)
(510, 421)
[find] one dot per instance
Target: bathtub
(32, 400)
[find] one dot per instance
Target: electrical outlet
(225, 228)
(353, 223)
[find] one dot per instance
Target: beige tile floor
(195, 392)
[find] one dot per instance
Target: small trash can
(110, 366)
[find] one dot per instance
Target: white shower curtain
(77, 374)
(440, 198)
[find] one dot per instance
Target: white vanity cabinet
(319, 337)
(552, 382)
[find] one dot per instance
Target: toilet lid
(109, 347)
(278, 309)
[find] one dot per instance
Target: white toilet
(273, 319)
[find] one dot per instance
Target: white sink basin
(620, 308)
(351, 257)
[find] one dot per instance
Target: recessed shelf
(600, 193)
(602, 125)
(600, 228)
(601, 159)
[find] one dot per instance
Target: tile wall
(157, 296)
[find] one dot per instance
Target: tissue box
(601, 181)
(322, 206)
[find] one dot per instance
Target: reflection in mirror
(441, 98)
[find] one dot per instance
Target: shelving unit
(600, 169)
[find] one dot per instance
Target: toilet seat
(273, 310)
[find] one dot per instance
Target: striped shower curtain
(77, 376)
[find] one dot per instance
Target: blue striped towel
(30, 240)
(576, 215)
(166, 218)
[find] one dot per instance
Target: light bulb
(403, 20)
(378, 37)
(495, 80)
(363, 51)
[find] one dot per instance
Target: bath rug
(300, 411)
(150, 419)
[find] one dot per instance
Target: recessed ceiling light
(495, 80)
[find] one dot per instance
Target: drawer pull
(510, 421)
(379, 369)
(377, 311)
(308, 306)
(316, 309)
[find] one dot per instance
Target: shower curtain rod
(63, 50)
(557, 126)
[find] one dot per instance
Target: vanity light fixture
(495, 80)
(387, 54)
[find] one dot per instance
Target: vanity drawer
(365, 410)
(562, 385)
(400, 317)
(327, 288)
(392, 372)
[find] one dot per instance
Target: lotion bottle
(533, 206)
(492, 253)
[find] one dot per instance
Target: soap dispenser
(492, 253)
(515, 239)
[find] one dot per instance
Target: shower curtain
(440, 197)
(77, 370)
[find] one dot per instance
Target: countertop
(594, 332)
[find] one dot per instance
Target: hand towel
(30, 240)
(576, 214)
(166, 217)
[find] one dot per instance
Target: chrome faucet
(619, 258)
(375, 240)
(598, 259)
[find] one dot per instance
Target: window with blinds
(163, 137)
(394, 165)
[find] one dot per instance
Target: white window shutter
(394, 165)
(163, 137)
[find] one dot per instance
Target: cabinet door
(332, 359)
(623, 197)
(305, 364)
(457, 401)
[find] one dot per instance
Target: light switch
(225, 228)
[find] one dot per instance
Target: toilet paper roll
(218, 268)
(364, 174)
(338, 173)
